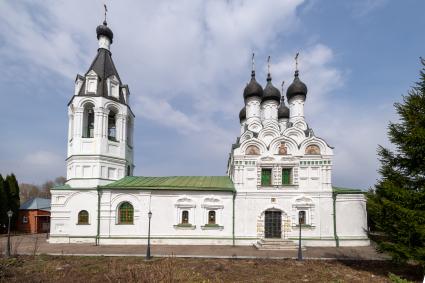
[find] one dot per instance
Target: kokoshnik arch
(278, 175)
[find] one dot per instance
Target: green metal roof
(62, 187)
(340, 190)
(184, 183)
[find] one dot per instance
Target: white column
(78, 122)
(105, 123)
(98, 122)
(70, 125)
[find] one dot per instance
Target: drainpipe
(98, 216)
(233, 219)
(334, 195)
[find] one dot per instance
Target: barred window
(112, 128)
(211, 217)
(302, 217)
(88, 121)
(185, 217)
(125, 213)
(83, 217)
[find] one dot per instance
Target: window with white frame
(303, 211)
(113, 87)
(91, 83)
(185, 212)
(212, 211)
(25, 219)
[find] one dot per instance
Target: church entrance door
(273, 224)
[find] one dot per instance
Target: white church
(279, 176)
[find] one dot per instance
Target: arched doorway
(273, 224)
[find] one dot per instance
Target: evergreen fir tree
(396, 206)
(3, 205)
(13, 197)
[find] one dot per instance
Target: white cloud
(43, 158)
(161, 112)
(186, 63)
(316, 70)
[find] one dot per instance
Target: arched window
(302, 217)
(112, 128)
(125, 213)
(185, 217)
(211, 217)
(83, 217)
(128, 170)
(312, 149)
(252, 150)
(88, 121)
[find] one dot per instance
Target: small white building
(279, 176)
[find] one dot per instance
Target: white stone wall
(351, 218)
(166, 207)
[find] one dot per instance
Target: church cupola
(104, 30)
(252, 94)
(253, 88)
(297, 88)
(283, 114)
(296, 95)
(104, 35)
(270, 92)
(283, 111)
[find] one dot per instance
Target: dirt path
(30, 244)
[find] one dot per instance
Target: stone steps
(276, 244)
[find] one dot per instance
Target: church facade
(278, 176)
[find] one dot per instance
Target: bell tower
(100, 129)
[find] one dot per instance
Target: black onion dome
(105, 31)
(283, 111)
(270, 92)
(242, 114)
(253, 88)
(296, 88)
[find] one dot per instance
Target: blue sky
(187, 62)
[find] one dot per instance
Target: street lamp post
(300, 252)
(148, 251)
(9, 215)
